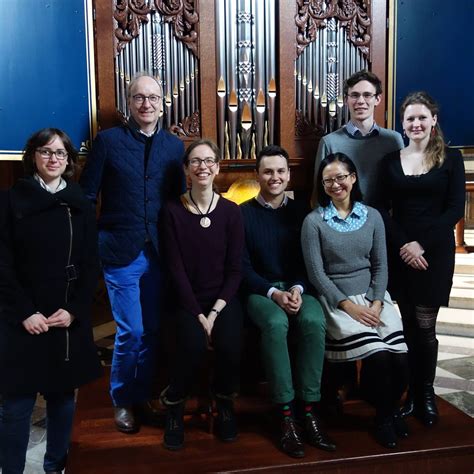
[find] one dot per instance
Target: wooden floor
(98, 448)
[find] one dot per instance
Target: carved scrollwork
(304, 128)
(354, 15)
(130, 14)
(191, 126)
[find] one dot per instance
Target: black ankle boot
(226, 423)
(385, 433)
(408, 407)
(400, 426)
(174, 428)
(173, 438)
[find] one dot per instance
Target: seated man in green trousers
(277, 299)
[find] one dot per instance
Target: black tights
(419, 323)
(419, 326)
(383, 379)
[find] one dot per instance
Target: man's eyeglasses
(46, 154)
(196, 162)
(357, 95)
(339, 179)
(140, 98)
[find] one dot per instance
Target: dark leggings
(192, 347)
(419, 323)
(383, 379)
(419, 326)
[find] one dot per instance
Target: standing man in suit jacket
(135, 167)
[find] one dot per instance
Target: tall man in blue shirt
(276, 286)
(135, 167)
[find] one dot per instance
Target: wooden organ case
(244, 73)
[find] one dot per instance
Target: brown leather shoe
(290, 441)
(315, 436)
(125, 420)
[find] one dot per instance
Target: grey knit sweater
(342, 264)
(366, 153)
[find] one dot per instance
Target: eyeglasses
(196, 162)
(140, 98)
(339, 179)
(357, 95)
(46, 154)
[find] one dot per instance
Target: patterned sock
(307, 408)
(285, 410)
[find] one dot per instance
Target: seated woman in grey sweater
(344, 250)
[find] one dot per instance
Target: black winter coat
(48, 260)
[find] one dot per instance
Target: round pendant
(205, 222)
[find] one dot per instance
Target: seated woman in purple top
(203, 240)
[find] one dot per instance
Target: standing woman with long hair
(424, 193)
(48, 274)
(203, 238)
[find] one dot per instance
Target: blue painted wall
(43, 64)
(435, 52)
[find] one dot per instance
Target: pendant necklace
(205, 221)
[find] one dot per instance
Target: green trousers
(308, 328)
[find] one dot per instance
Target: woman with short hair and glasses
(343, 245)
(203, 240)
(48, 274)
(423, 199)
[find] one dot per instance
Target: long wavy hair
(435, 152)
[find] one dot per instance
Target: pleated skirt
(348, 339)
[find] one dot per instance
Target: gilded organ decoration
(159, 37)
(332, 42)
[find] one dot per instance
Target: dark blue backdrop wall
(435, 52)
(45, 67)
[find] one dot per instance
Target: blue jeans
(15, 420)
(134, 293)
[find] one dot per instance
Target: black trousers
(383, 380)
(226, 341)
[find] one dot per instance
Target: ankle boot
(408, 407)
(426, 409)
(226, 423)
(173, 438)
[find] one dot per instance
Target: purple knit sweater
(204, 263)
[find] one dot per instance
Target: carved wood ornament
(354, 15)
(182, 14)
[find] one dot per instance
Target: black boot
(226, 423)
(408, 408)
(173, 438)
(385, 432)
(399, 425)
(426, 409)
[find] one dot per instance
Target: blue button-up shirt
(355, 132)
(354, 221)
